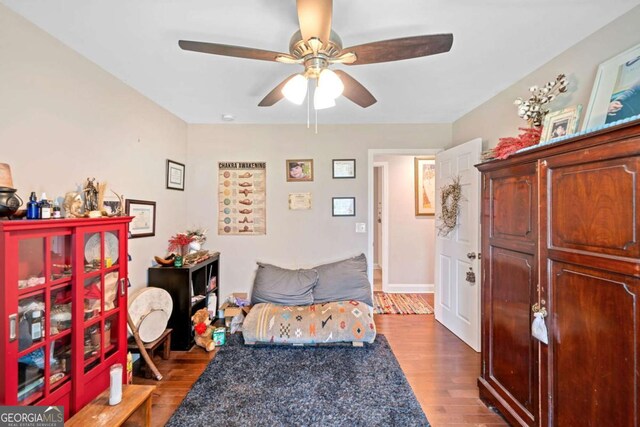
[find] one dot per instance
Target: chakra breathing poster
(242, 198)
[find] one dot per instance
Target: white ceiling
(496, 42)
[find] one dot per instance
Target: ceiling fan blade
(229, 50)
(354, 91)
(314, 17)
(276, 94)
(403, 48)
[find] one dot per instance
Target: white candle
(115, 390)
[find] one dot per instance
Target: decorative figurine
(72, 205)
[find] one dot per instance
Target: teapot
(9, 201)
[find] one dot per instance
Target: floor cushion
(341, 321)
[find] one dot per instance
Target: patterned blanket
(342, 321)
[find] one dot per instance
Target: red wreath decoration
(508, 146)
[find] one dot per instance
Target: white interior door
(457, 301)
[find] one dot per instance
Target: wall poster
(242, 198)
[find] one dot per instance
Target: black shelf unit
(183, 283)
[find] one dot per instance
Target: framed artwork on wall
(425, 185)
(175, 175)
(143, 223)
(616, 90)
(343, 206)
(344, 168)
(299, 170)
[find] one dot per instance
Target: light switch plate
(361, 227)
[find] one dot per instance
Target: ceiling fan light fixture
(295, 90)
(330, 83)
(322, 99)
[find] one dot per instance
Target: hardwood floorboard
(440, 368)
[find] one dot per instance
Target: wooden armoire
(560, 235)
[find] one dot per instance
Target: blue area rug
(301, 386)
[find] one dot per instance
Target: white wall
(294, 238)
(411, 240)
(63, 119)
(497, 117)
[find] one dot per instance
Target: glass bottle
(45, 207)
(33, 208)
(56, 213)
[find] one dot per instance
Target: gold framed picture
(300, 170)
(425, 185)
(561, 123)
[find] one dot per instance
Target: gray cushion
(342, 281)
(281, 286)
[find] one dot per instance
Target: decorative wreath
(450, 196)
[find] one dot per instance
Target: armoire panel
(594, 349)
(513, 355)
(513, 207)
(593, 206)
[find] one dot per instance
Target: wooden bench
(99, 413)
(164, 340)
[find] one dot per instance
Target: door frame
(384, 232)
(372, 152)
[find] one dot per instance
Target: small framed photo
(344, 168)
(299, 170)
(561, 123)
(424, 169)
(616, 90)
(143, 223)
(343, 206)
(175, 175)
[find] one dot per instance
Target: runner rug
(276, 385)
(400, 304)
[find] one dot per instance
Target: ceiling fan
(316, 46)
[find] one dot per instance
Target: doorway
(396, 252)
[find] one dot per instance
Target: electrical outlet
(361, 227)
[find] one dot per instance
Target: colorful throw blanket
(342, 321)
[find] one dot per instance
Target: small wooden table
(100, 413)
(151, 347)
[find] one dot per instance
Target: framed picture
(299, 201)
(561, 123)
(344, 168)
(175, 175)
(143, 223)
(343, 206)
(299, 170)
(424, 169)
(616, 90)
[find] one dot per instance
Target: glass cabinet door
(44, 315)
(102, 286)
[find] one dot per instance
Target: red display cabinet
(63, 309)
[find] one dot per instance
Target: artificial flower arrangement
(533, 110)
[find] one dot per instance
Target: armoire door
(509, 377)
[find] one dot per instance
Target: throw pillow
(282, 286)
(342, 281)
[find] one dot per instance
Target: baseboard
(421, 288)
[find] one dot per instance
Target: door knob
(471, 255)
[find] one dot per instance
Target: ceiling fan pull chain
(316, 121)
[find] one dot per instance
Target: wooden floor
(441, 369)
